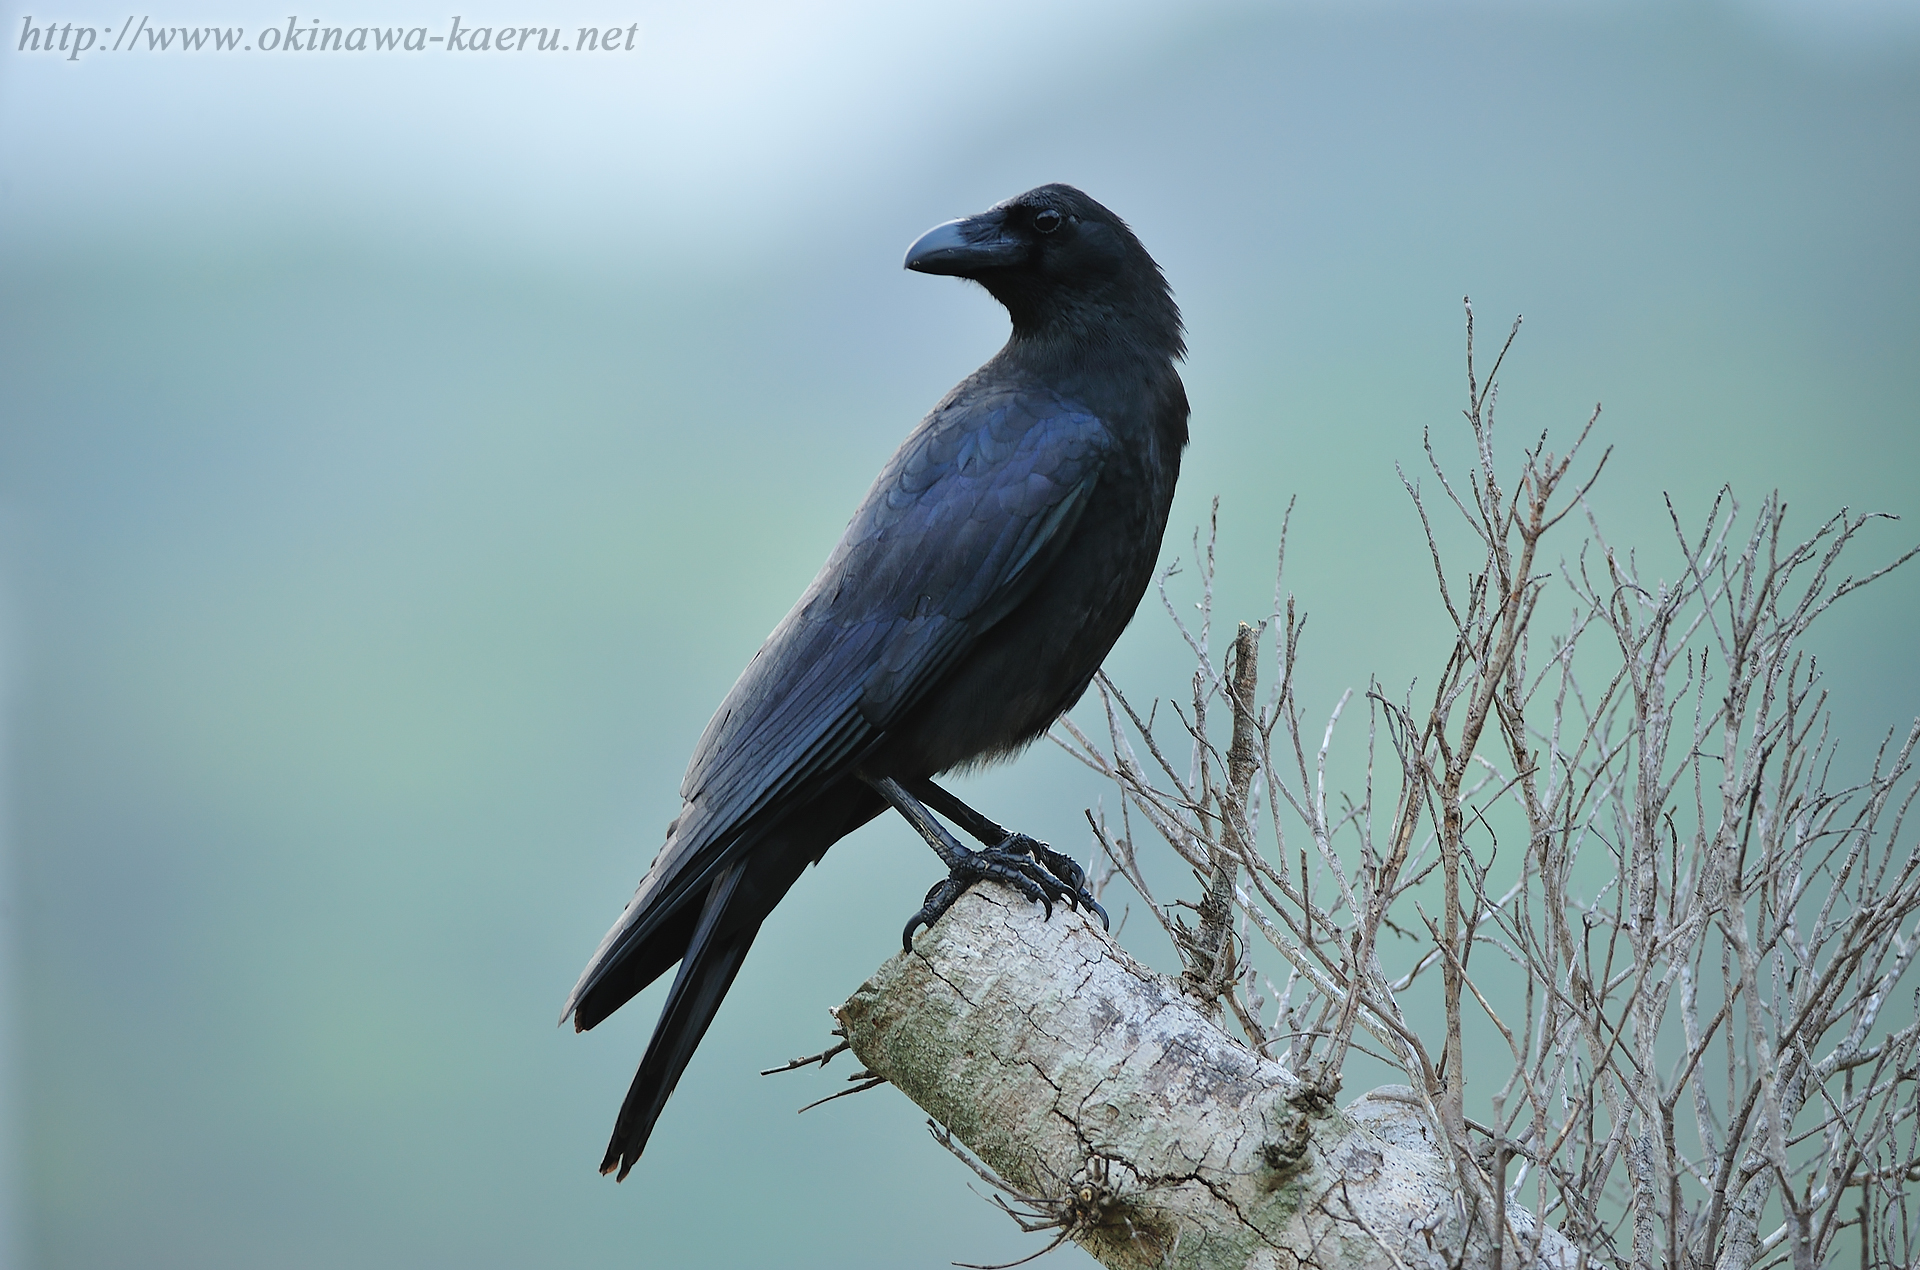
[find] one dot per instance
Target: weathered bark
(1098, 1088)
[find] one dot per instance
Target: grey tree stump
(1107, 1100)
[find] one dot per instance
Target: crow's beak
(962, 248)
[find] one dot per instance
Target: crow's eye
(1046, 220)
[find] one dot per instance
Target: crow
(993, 564)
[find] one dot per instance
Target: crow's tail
(709, 938)
(719, 944)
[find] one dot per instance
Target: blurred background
(401, 454)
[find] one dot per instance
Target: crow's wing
(959, 524)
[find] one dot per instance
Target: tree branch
(1103, 1097)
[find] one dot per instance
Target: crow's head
(1054, 258)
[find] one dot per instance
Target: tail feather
(626, 977)
(712, 959)
(709, 937)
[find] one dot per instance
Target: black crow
(996, 559)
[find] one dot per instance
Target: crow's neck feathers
(1112, 347)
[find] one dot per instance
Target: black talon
(1027, 865)
(937, 903)
(1010, 865)
(1072, 876)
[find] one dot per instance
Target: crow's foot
(1069, 872)
(1030, 867)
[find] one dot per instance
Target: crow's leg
(1064, 868)
(1030, 867)
(964, 868)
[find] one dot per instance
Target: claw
(1032, 868)
(1073, 878)
(1064, 867)
(940, 898)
